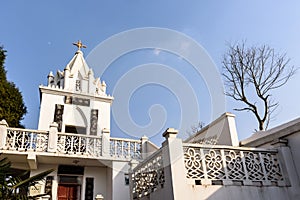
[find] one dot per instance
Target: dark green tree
(12, 107)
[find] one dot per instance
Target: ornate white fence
(125, 148)
(26, 140)
(79, 144)
(16, 139)
(148, 176)
(228, 165)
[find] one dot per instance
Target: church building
(74, 139)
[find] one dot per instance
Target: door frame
(73, 185)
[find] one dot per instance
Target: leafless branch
(250, 74)
(196, 128)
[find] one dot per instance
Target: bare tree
(195, 128)
(251, 73)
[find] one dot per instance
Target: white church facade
(73, 137)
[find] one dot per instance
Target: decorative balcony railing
(125, 148)
(16, 139)
(232, 165)
(79, 144)
(148, 176)
(26, 140)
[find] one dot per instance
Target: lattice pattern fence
(125, 148)
(225, 165)
(68, 143)
(26, 140)
(148, 176)
(79, 144)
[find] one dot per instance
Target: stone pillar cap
(99, 197)
(170, 132)
(144, 137)
(105, 130)
(54, 124)
(3, 122)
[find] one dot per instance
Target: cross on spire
(79, 45)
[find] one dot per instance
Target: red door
(67, 192)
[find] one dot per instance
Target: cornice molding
(61, 92)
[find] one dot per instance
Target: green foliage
(12, 107)
(13, 187)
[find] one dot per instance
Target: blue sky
(38, 37)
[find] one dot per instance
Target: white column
(32, 161)
(67, 78)
(53, 137)
(105, 142)
(291, 177)
(54, 186)
(144, 150)
(174, 169)
(3, 133)
(50, 78)
(103, 84)
(90, 82)
(132, 165)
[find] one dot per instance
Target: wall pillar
(291, 177)
(144, 150)
(67, 78)
(132, 165)
(53, 137)
(50, 79)
(90, 81)
(32, 160)
(105, 142)
(174, 169)
(3, 133)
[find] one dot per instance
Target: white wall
(76, 115)
(100, 184)
(103, 114)
(285, 138)
(294, 144)
(238, 192)
(73, 114)
(223, 130)
(47, 109)
(120, 190)
(184, 188)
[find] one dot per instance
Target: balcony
(52, 142)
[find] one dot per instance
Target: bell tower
(75, 99)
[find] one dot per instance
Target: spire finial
(79, 45)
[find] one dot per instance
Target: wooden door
(67, 192)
